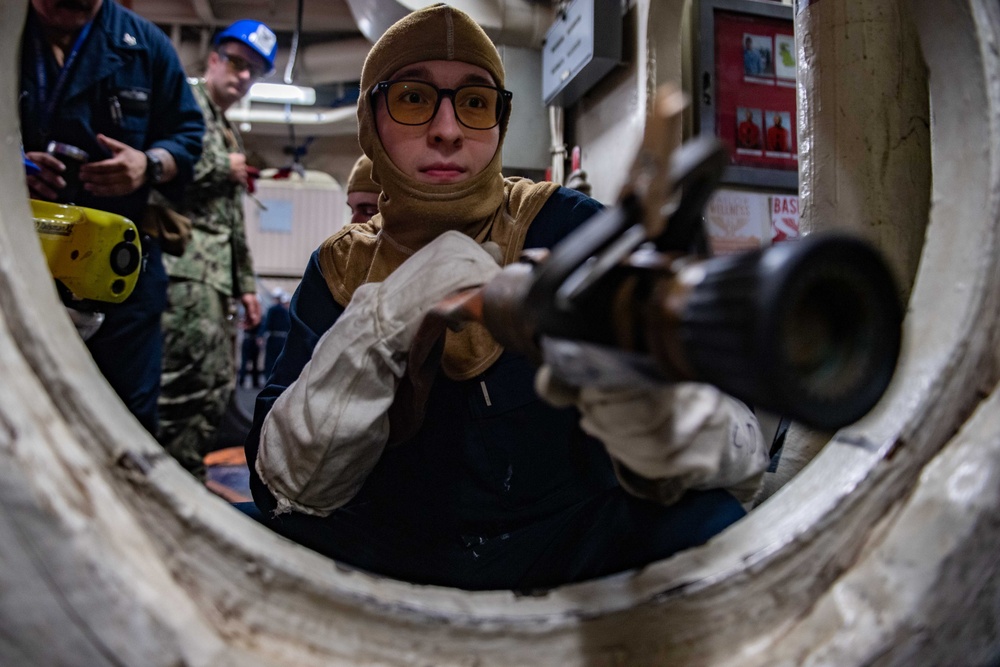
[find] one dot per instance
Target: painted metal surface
(876, 553)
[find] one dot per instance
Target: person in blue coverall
(274, 328)
(98, 77)
(471, 479)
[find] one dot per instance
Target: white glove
(678, 436)
(327, 431)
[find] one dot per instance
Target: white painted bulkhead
(882, 551)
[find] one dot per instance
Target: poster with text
(737, 221)
(784, 218)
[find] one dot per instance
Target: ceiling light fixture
(281, 93)
(323, 116)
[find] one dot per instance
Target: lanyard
(48, 102)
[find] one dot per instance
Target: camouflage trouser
(199, 371)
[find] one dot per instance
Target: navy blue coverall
(126, 82)
(497, 489)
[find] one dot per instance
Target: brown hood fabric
(486, 207)
(413, 213)
(439, 32)
(360, 179)
(364, 253)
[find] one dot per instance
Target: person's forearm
(244, 279)
(327, 431)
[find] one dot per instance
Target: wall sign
(276, 217)
(740, 220)
(747, 89)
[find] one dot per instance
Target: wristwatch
(154, 168)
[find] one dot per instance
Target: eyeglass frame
(505, 98)
(249, 66)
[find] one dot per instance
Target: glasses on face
(238, 65)
(477, 107)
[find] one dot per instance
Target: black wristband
(154, 168)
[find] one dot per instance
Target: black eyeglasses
(477, 107)
(239, 64)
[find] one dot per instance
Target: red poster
(755, 90)
(784, 218)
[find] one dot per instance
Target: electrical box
(581, 47)
(527, 143)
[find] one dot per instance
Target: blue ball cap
(254, 34)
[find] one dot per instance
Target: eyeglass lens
(414, 103)
(238, 64)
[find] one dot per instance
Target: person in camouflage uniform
(199, 370)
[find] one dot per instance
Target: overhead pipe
(203, 9)
(175, 35)
(507, 22)
(329, 62)
(290, 67)
(316, 64)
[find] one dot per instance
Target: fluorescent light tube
(322, 117)
(280, 93)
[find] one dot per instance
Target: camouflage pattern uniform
(199, 368)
